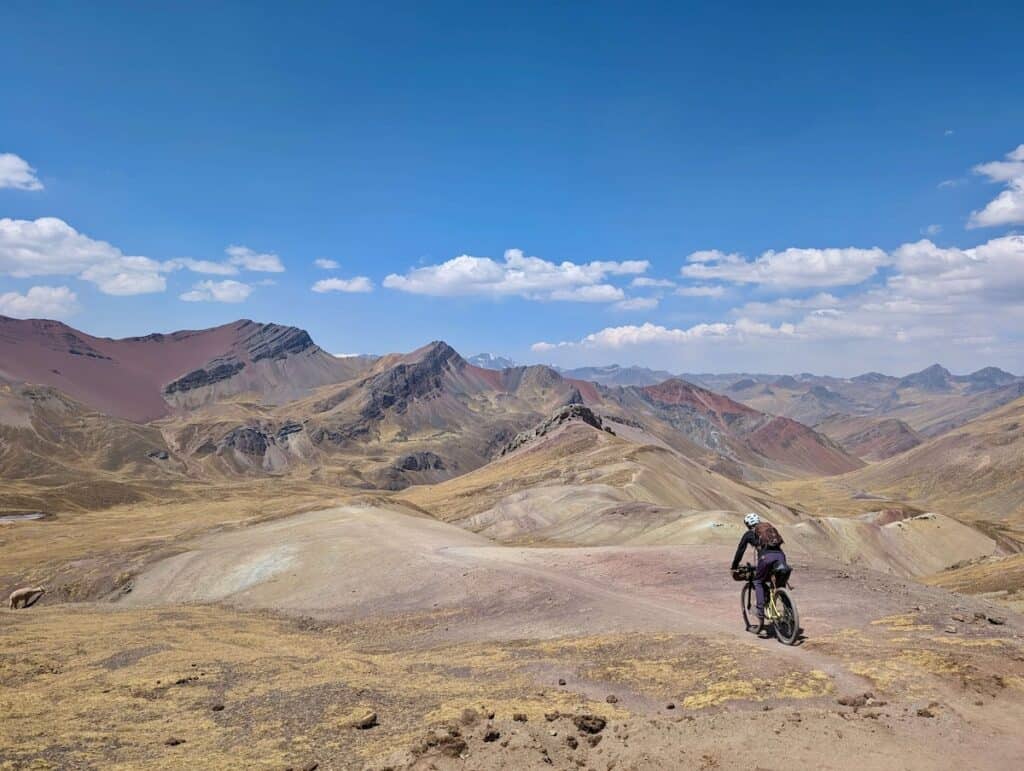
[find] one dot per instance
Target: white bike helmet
(751, 519)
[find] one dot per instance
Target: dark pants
(765, 563)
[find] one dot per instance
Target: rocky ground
(429, 647)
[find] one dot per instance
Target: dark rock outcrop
(562, 415)
(288, 429)
(419, 379)
(205, 377)
(273, 341)
(422, 461)
(248, 441)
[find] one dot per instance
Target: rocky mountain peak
(677, 392)
(933, 378)
(274, 341)
(564, 414)
(491, 361)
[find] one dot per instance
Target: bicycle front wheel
(748, 605)
(787, 625)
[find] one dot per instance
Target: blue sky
(613, 142)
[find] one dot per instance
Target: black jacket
(748, 539)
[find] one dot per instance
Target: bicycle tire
(748, 606)
(787, 627)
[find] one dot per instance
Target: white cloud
(946, 184)
(637, 304)
(829, 324)
(47, 302)
(201, 266)
(518, 275)
(790, 268)
(700, 291)
(325, 264)
(227, 291)
(1004, 171)
(127, 276)
(643, 281)
(948, 132)
(713, 255)
(50, 247)
(1008, 207)
(655, 334)
(16, 173)
(787, 306)
(931, 230)
(357, 284)
(992, 272)
(596, 293)
(832, 324)
(246, 258)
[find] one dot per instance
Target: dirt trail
(354, 562)
(713, 612)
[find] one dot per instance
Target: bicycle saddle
(781, 571)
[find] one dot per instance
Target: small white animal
(26, 596)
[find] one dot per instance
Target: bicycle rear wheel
(748, 605)
(787, 625)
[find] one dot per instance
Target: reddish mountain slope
(140, 378)
(870, 438)
(974, 470)
(736, 432)
(678, 392)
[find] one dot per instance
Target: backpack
(767, 536)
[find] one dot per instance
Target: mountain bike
(779, 609)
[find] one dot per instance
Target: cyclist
(768, 544)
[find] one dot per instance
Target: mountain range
(238, 487)
(247, 397)
(89, 422)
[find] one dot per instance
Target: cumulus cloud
(713, 255)
(325, 264)
(788, 269)
(17, 174)
(932, 296)
(1008, 207)
(201, 266)
(48, 302)
(595, 293)
(931, 230)
(246, 258)
(644, 281)
(991, 272)
(700, 290)
(655, 334)
(517, 275)
(787, 306)
(357, 284)
(637, 304)
(50, 247)
(827, 324)
(227, 291)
